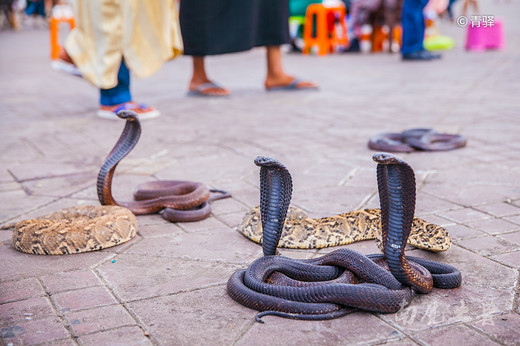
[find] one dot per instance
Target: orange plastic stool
(328, 35)
(379, 38)
(397, 35)
(54, 24)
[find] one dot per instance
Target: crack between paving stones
(35, 148)
(364, 202)
(29, 211)
(516, 298)
(234, 228)
(427, 175)
(501, 263)
(116, 254)
(349, 176)
(446, 200)
(404, 339)
(488, 256)
(155, 236)
(25, 189)
(244, 155)
(181, 258)
(465, 223)
(505, 233)
(120, 302)
(52, 176)
(44, 205)
(482, 332)
(128, 246)
(397, 327)
(202, 288)
(401, 339)
(243, 332)
(58, 312)
(107, 330)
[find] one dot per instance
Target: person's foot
(143, 111)
(13, 20)
(288, 83)
(207, 88)
(65, 64)
(64, 56)
(422, 55)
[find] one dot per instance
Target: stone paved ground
(167, 285)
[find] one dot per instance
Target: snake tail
(275, 196)
(331, 285)
(396, 186)
(310, 317)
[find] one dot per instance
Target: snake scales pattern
(301, 232)
(82, 229)
(331, 285)
(174, 200)
(74, 230)
(416, 139)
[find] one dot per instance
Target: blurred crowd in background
(111, 40)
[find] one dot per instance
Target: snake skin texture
(176, 201)
(396, 185)
(275, 196)
(302, 232)
(416, 139)
(74, 230)
(332, 285)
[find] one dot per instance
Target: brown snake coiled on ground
(330, 286)
(174, 200)
(416, 139)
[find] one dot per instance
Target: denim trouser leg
(121, 92)
(413, 26)
(35, 8)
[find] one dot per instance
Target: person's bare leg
(63, 55)
(475, 7)
(47, 5)
(465, 7)
(200, 77)
(276, 76)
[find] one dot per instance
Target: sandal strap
(129, 106)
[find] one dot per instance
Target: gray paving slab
(167, 286)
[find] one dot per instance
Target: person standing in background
(413, 32)
(211, 27)
(115, 38)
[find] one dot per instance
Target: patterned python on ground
(74, 230)
(302, 232)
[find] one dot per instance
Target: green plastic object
(439, 42)
(298, 20)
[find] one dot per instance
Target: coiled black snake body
(416, 139)
(330, 286)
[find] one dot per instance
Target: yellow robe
(145, 33)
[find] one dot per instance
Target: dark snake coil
(332, 285)
(416, 139)
(174, 200)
